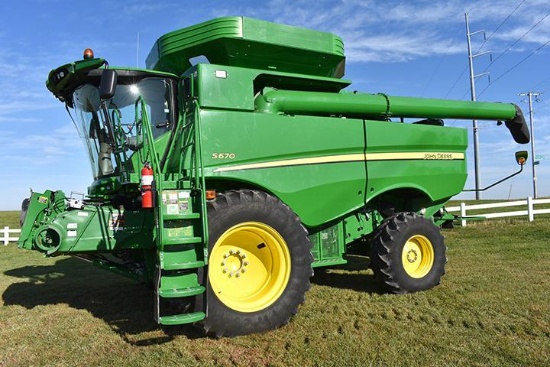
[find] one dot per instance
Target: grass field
(491, 309)
(10, 219)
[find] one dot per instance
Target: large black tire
(408, 254)
(259, 264)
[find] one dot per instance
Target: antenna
(137, 51)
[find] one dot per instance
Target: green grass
(491, 309)
(10, 219)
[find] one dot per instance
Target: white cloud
(398, 31)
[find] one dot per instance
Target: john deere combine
(237, 162)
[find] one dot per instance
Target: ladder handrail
(148, 141)
(200, 181)
(149, 149)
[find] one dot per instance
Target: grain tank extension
(237, 162)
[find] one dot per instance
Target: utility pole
(473, 95)
(534, 162)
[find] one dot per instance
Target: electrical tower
(473, 95)
(534, 161)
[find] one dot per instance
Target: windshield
(110, 134)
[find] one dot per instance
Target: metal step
(181, 292)
(183, 265)
(187, 216)
(177, 280)
(189, 259)
(176, 286)
(186, 318)
(171, 241)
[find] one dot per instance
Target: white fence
(463, 209)
(5, 235)
(529, 210)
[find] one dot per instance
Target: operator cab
(109, 123)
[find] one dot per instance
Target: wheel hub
(418, 256)
(412, 256)
(234, 263)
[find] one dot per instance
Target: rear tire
(408, 254)
(259, 264)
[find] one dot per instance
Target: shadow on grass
(349, 276)
(125, 305)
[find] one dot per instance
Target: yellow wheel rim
(249, 267)
(418, 256)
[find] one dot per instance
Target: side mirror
(108, 84)
(521, 157)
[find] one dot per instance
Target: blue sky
(406, 48)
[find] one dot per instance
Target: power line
(542, 105)
(459, 77)
(540, 84)
(500, 25)
(515, 43)
(513, 67)
(438, 66)
(502, 53)
(480, 47)
(456, 81)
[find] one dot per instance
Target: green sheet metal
(250, 43)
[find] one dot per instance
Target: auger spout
(382, 106)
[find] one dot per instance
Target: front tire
(408, 254)
(259, 264)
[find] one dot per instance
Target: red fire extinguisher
(147, 186)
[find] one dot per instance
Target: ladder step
(186, 318)
(181, 292)
(178, 280)
(181, 260)
(179, 231)
(183, 265)
(178, 284)
(181, 216)
(168, 241)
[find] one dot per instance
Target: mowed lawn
(491, 309)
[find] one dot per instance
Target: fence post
(463, 213)
(6, 236)
(530, 211)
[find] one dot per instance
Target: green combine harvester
(238, 162)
